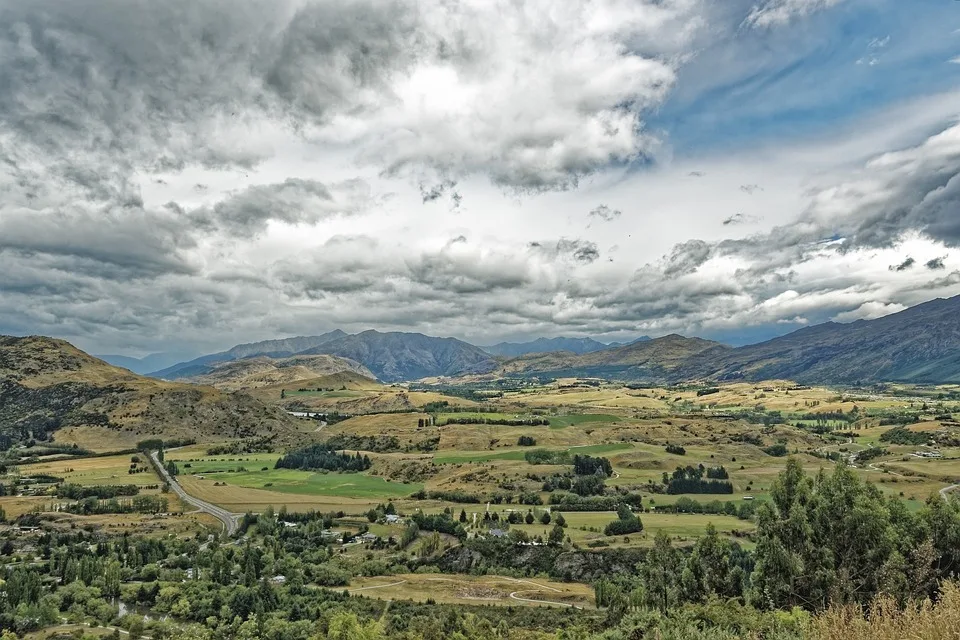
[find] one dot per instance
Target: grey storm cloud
(158, 86)
(687, 258)
(605, 213)
(292, 201)
(739, 218)
(437, 191)
(936, 264)
(579, 251)
(903, 266)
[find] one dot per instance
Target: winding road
(228, 519)
(944, 493)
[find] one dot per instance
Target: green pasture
(345, 485)
(461, 457)
(562, 422)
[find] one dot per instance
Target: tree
(529, 519)
(659, 572)
(545, 517)
(556, 535)
(560, 520)
(463, 515)
(827, 540)
(346, 626)
(111, 579)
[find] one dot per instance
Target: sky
(191, 174)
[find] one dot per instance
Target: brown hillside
(263, 371)
(47, 385)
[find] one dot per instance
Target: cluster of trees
(78, 492)
(901, 435)
(545, 456)
(138, 504)
(451, 495)
(588, 465)
(684, 504)
(691, 480)
(571, 502)
(439, 522)
(509, 422)
(777, 450)
(322, 456)
(626, 523)
(676, 450)
(527, 441)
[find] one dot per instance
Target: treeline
(102, 491)
(139, 504)
(322, 456)
(743, 510)
(455, 495)
(691, 480)
(571, 502)
(508, 422)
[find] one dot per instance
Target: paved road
(228, 519)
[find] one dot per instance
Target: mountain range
(920, 344)
(390, 357)
(548, 345)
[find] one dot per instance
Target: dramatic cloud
(197, 173)
(533, 95)
(293, 201)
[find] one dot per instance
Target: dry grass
(97, 439)
(15, 506)
(926, 621)
(88, 471)
(473, 590)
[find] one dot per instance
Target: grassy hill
(263, 371)
(653, 360)
(48, 385)
(281, 348)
